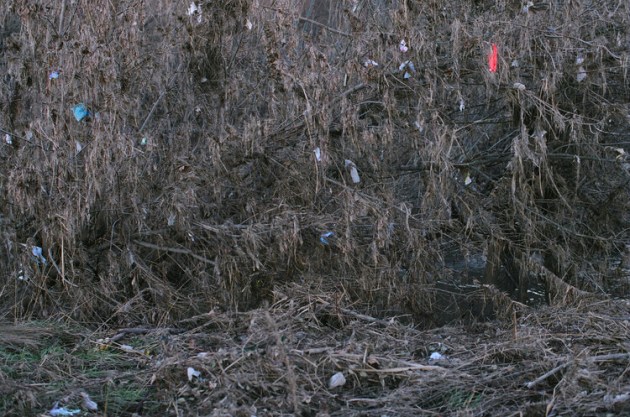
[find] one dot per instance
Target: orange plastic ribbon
(493, 58)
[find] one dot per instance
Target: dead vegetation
(280, 360)
(235, 149)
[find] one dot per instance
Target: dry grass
(279, 360)
(197, 185)
(19, 337)
(194, 184)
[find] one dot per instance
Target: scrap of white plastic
(467, 180)
(126, 348)
(581, 74)
(7, 139)
(318, 154)
(354, 173)
(579, 59)
(436, 356)
(170, 221)
(462, 106)
(403, 46)
(88, 403)
(621, 153)
(62, 411)
(22, 276)
(407, 64)
(519, 86)
(248, 24)
(143, 141)
(337, 380)
(53, 75)
(192, 373)
(515, 63)
(193, 9)
(370, 63)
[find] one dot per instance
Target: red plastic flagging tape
(493, 58)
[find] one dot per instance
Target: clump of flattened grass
(57, 366)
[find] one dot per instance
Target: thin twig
(600, 358)
(152, 110)
(168, 84)
(59, 271)
(611, 357)
(323, 26)
(173, 250)
(546, 375)
(401, 369)
(61, 13)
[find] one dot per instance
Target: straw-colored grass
(233, 148)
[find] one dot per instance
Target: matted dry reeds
(287, 358)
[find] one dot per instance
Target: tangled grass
(194, 183)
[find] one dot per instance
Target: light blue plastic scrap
(80, 112)
(324, 237)
(62, 411)
(37, 252)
